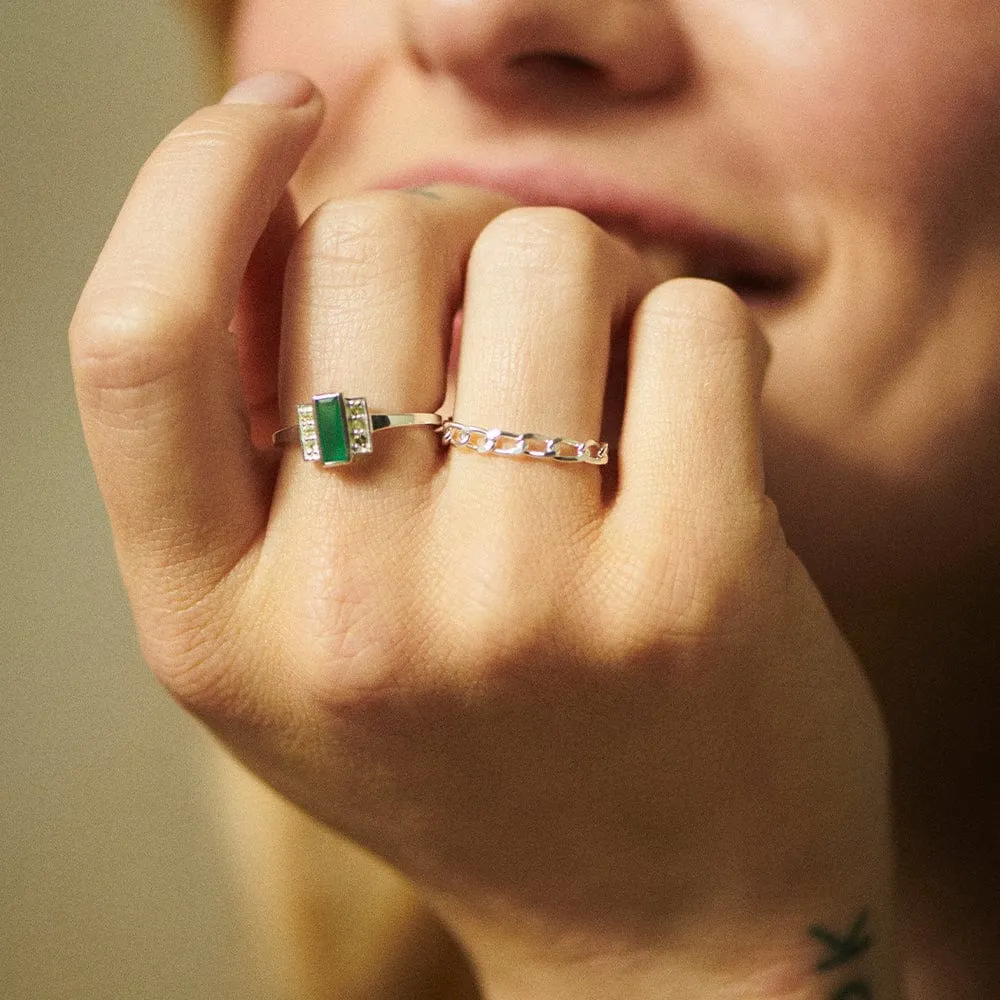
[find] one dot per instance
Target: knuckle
(196, 681)
(542, 241)
(715, 576)
(127, 341)
(381, 235)
(350, 639)
(500, 610)
(479, 583)
(191, 653)
(211, 134)
(511, 597)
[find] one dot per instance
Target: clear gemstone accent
(308, 433)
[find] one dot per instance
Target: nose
(524, 48)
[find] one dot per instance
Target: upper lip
(645, 219)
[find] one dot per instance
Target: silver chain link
(493, 441)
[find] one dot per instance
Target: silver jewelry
(494, 441)
(333, 428)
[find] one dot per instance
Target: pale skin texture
(605, 723)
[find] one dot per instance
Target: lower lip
(601, 201)
(671, 225)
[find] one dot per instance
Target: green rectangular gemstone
(331, 424)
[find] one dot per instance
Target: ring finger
(371, 288)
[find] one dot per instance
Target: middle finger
(546, 290)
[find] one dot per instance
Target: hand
(588, 720)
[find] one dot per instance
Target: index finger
(154, 362)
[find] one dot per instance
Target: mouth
(678, 241)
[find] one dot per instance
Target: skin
(359, 637)
(895, 219)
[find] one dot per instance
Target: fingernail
(281, 89)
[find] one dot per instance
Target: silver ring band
(493, 441)
(333, 428)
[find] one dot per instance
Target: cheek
(330, 41)
(888, 120)
(883, 394)
(342, 46)
(892, 102)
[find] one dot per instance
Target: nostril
(557, 65)
(499, 48)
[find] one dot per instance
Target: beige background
(112, 879)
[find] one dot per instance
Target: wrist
(824, 951)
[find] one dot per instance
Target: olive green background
(113, 878)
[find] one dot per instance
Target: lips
(759, 270)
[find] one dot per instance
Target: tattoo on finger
(424, 192)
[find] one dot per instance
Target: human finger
(155, 366)
(371, 290)
(546, 291)
(690, 465)
(372, 287)
(692, 407)
(257, 323)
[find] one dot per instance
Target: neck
(933, 656)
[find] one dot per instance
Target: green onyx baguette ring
(333, 428)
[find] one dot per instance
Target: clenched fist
(600, 717)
